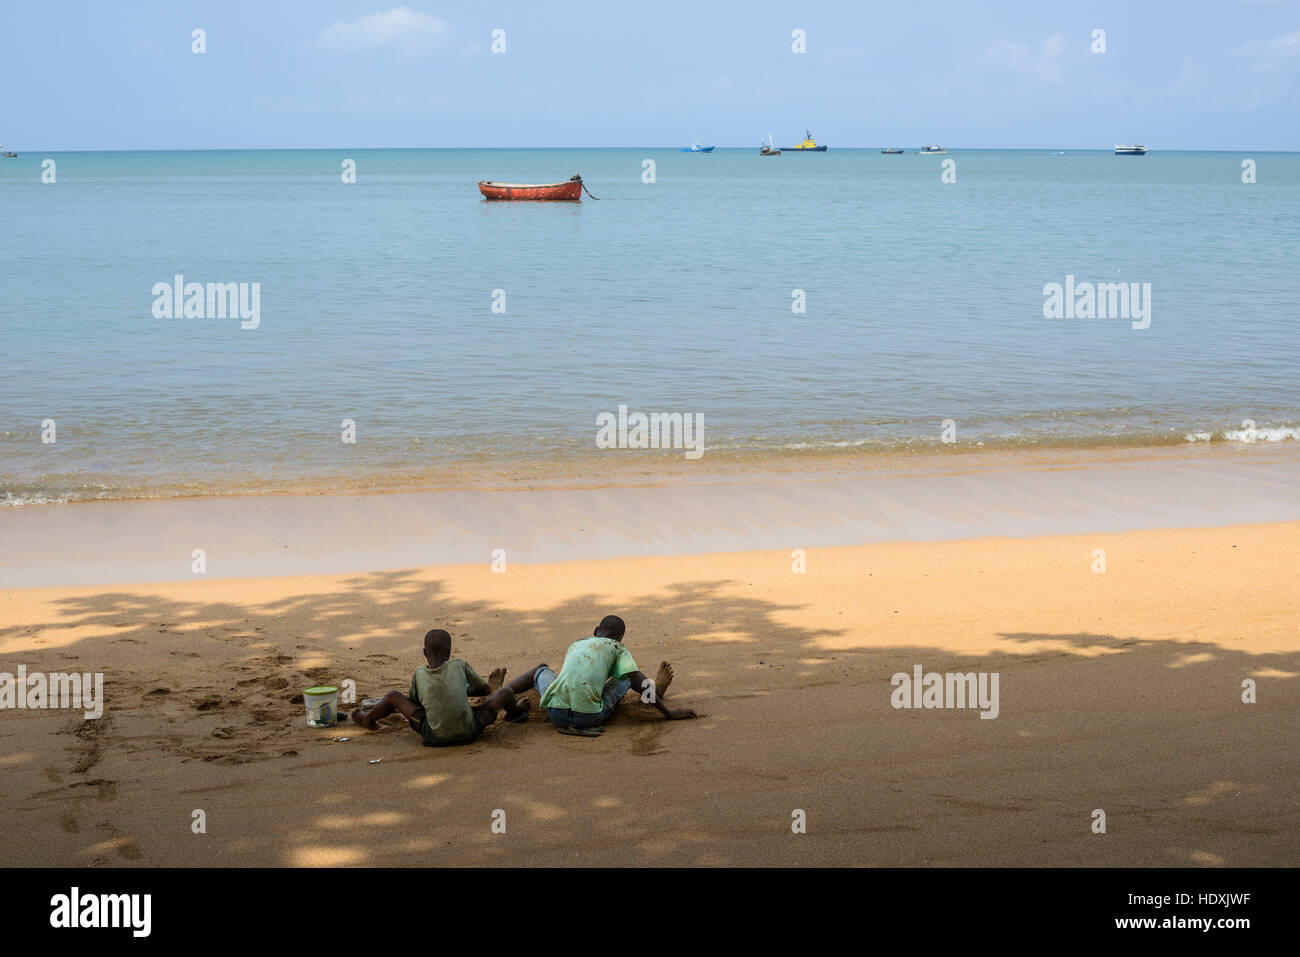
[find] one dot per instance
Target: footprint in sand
(91, 744)
(104, 790)
(646, 742)
(270, 660)
(124, 844)
(238, 756)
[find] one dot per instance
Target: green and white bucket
(322, 706)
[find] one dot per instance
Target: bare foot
(521, 711)
(497, 678)
(663, 679)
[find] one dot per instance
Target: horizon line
(287, 149)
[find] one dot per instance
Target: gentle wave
(586, 467)
(1248, 435)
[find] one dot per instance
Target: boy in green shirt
(596, 674)
(437, 705)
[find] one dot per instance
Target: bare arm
(640, 682)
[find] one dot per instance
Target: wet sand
(907, 498)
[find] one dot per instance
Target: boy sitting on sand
(596, 674)
(437, 705)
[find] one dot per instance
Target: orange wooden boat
(569, 191)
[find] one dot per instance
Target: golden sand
(1119, 691)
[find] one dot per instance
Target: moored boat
(809, 145)
(697, 148)
(1130, 150)
(891, 152)
(568, 191)
(767, 149)
(931, 151)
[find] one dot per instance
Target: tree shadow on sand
(203, 711)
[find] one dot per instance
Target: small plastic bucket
(322, 706)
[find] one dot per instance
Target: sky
(1175, 74)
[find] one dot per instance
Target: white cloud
(1286, 45)
(1269, 55)
(401, 28)
(1045, 64)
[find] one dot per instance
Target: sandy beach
(1118, 690)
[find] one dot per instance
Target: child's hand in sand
(680, 714)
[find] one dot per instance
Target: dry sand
(1119, 691)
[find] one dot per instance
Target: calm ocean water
(924, 302)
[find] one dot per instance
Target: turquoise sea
(924, 302)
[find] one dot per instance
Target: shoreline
(913, 499)
(624, 468)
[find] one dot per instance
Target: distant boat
(891, 152)
(7, 155)
(809, 145)
(1130, 150)
(697, 148)
(569, 191)
(767, 149)
(931, 151)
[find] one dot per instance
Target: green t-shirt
(587, 665)
(443, 693)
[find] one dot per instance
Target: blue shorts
(611, 695)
